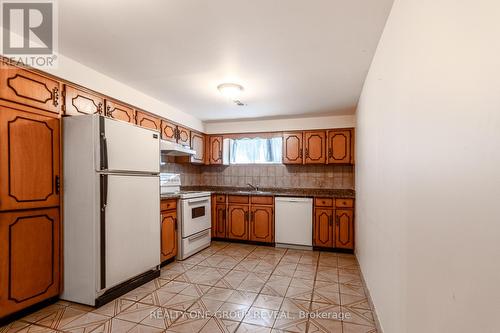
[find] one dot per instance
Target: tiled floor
(228, 288)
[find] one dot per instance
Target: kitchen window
(255, 150)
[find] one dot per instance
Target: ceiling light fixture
(231, 90)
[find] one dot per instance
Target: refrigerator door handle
(104, 202)
(104, 152)
(103, 144)
(104, 191)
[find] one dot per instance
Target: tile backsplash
(278, 175)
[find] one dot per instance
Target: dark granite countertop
(288, 192)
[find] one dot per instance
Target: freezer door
(125, 147)
(130, 227)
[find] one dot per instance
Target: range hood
(174, 149)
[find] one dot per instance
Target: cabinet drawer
(262, 200)
(242, 199)
(168, 204)
(323, 202)
(220, 198)
(344, 203)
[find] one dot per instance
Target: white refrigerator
(111, 208)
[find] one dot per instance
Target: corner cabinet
(198, 145)
(333, 225)
(168, 219)
(215, 144)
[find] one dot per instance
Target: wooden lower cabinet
(30, 252)
(241, 219)
(344, 229)
(237, 222)
(168, 234)
(219, 225)
(323, 227)
(334, 223)
(261, 224)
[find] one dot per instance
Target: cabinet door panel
(168, 234)
(237, 222)
(29, 258)
(198, 145)
(261, 224)
(215, 156)
(78, 102)
(29, 160)
(29, 88)
(292, 148)
(220, 221)
(168, 131)
(119, 111)
(339, 146)
(315, 147)
(147, 121)
(183, 136)
(344, 233)
(323, 227)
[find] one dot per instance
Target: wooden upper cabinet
(198, 145)
(29, 160)
(292, 148)
(314, 147)
(323, 227)
(168, 131)
(146, 120)
(29, 88)
(30, 267)
(344, 229)
(237, 222)
(261, 224)
(215, 153)
(168, 234)
(219, 229)
(183, 136)
(339, 146)
(119, 111)
(78, 101)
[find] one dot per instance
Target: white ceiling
(294, 57)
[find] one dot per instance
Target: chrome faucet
(254, 188)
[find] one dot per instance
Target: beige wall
(292, 176)
(428, 168)
(76, 72)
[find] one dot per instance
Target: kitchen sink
(253, 192)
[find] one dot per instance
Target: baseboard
(372, 305)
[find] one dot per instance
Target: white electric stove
(193, 213)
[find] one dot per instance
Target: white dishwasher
(293, 224)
